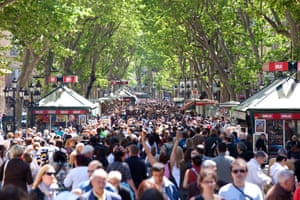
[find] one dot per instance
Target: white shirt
(274, 171)
(256, 175)
(110, 158)
(229, 192)
(76, 176)
(176, 174)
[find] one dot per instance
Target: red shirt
(193, 174)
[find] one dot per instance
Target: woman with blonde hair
(45, 184)
(69, 145)
(176, 159)
(78, 149)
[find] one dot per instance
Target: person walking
(284, 187)
(16, 171)
(255, 172)
(278, 166)
(114, 178)
(207, 183)
(137, 167)
(223, 163)
(240, 188)
(120, 165)
(45, 185)
(78, 174)
(98, 181)
(165, 186)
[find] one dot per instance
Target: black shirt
(17, 173)
(137, 169)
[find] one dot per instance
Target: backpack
(211, 146)
(60, 157)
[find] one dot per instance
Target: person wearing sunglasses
(45, 185)
(240, 189)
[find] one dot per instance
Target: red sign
(119, 82)
(298, 66)
(277, 116)
(70, 79)
(59, 112)
(52, 79)
(275, 66)
(65, 79)
(126, 99)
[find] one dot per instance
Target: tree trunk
(29, 61)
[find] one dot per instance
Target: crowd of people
(150, 151)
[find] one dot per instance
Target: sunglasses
(50, 173)
(209, 182)
(235, 171)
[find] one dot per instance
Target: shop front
(279, 127)
(62, 107)
(205, 107)
(274, 111)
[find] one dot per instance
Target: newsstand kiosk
(62, 107)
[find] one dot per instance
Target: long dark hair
(2, 151)
(119, 152)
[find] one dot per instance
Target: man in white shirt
(240, 188)
(77, 174)
(255, 172)
(278, 166)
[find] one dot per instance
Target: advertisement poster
(82, 119)
(260, 126)
(61, 118)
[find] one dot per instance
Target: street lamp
(10, 94)
(175, 90)
(31, 98)
(153, 89)
(188, 91)
(98, 91)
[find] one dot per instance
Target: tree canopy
(154, 44)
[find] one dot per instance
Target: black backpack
(60, 157)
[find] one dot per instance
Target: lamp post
(188, 91)
(32, 97)
(98, 92)
(10, 94)
(175, 91)
(153, 90)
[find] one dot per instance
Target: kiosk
(275, 111)
(62, 107)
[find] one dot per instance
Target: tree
(4, 3)
(36, 27)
